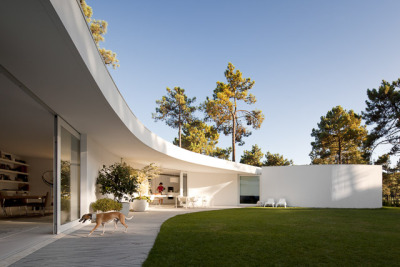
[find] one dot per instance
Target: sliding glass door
(67, 188)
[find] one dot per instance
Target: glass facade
(249, 189)
(70, 177)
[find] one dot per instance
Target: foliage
(147, 198)
(383, 111)
(221, 153)
(390, 181)
(201, 138)
(65, 178)
(252, 157)
(224, 111)
(106, 204)
(117, 179)
(143, 176)
(279, 237)
(339, 138)
(99, 29)
(175, 109)
(276, 160)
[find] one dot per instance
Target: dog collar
(93, 219)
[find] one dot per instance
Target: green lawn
(280, 237)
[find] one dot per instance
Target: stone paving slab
(112, 249)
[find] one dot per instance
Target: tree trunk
(180, 135)
(180, 128)
(233, 139)
(340, 152)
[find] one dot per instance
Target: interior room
(171, 182)
(26, 162)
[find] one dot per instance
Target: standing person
(160, 189)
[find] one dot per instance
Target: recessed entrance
(26, 164)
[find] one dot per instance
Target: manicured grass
(280, 237)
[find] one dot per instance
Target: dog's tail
(126, 218)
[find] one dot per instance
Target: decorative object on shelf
(13, 174)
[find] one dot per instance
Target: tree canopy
(339, 138)
(175, 109)
(276, 160)
(198, 137)
(202, 138)
(222, 153)
(255, 155)
(99, 29)
(390, 180)
(383, 111)
(252, 157)
(223, 109)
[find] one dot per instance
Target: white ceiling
(38, 52)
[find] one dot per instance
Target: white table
(174, 195)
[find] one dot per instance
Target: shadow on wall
(209, 191)
(356, 186)
(332, 186)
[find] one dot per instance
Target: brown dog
(103, 218)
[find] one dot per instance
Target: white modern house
(59, 104)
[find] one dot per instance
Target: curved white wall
(324, 186)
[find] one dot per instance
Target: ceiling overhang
(47, 47)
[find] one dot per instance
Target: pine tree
(175, 109)
(252, 157)
(224, 109)
(383, 111)
(99, 29)
(276, 160)
(339, 138)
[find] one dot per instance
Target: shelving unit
(13, 175)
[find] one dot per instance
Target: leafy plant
(143, 198)
(143, 176)
(118, 179)
(106, 204)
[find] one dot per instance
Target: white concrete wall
(324, 186)
(93, 157)
(221, 189)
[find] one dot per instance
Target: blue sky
(305, 57)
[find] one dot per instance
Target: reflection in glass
(70, 177)
(249, 189)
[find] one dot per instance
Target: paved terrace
(74, 248)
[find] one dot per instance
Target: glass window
(249, 189)
(185, 184)
(70, 177)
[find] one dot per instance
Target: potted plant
(143, 176)
(119, 180)
(106, 204)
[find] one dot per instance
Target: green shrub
(117, 179)
(106, 204)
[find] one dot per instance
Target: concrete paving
(74, 248)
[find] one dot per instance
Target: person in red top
(160, 189)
